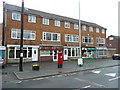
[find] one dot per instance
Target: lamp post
(80, 61)
(21, 40)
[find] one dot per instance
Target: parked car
(2, 63)
(116, 57)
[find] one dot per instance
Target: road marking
(96, 71)
(90, 82)
(87, 86)
(114, 78)
(111, 74)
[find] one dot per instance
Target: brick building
(46, 34)
(113, 43)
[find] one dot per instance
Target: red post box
(60, 59)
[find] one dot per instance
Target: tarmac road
(98, 78)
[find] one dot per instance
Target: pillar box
(60, 59)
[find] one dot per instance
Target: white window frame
(90, 28)
(103, 31)
(97, 30)
(32, 18)
(16, 16)
(17, 34)
(100, 40)
(76, 26)
(71, 38)
(45, 21)
(89, 38)
(84, 27)
(44, 36)
(57, 23)
(67, 24)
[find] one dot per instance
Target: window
(100, 40)
(48, 36)
(84, 27)
(45, 52)
(32, 18)
(14, 52)
(87, 39)
(16, 16)
(71, 38)
(67, 24)
(91, 29)
(76, 26)
(111, 38)
(45, 21)
(57, 23)
(97, 30)
(27, 34)
(11, 51)
(103, 31)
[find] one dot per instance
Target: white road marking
(87, 86)
(38, 78)
(114, 78)
(111, 74)
(90, 82)
(96, 71)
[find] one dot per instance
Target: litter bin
(35, 66)
(80, 61)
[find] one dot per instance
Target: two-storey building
(46, 34)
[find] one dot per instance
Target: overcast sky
(101, 12)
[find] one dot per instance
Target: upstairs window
(91, 29)
(45, 21)
(97, 30)
(49, 36)
(32, 18)
(71, 38)
(103, 31)
(87, 39)
(76, 26)
(27, 34)
(57, 23)
(16, 16)
(67, 24)
(84, 27)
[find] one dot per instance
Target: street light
(21, 40)
(80, 61)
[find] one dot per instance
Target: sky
(101, 12)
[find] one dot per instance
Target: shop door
(34, 54)
(55, 55)
(65, 54)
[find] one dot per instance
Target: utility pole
(80, 60)
(21, 40)
(3, 25)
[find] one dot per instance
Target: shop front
(88, 53)
(101, 52)
(30, 53)
(50, 53)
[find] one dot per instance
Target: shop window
(69, 51)
(17, 52)
(11, 52)
(29, 52)
(25, 52)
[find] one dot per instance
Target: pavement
(47, 69)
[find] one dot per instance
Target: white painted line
(90, 82)
(87, 86)
(111, 74)
(38, 79)
(114, 78)
(95, 71)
